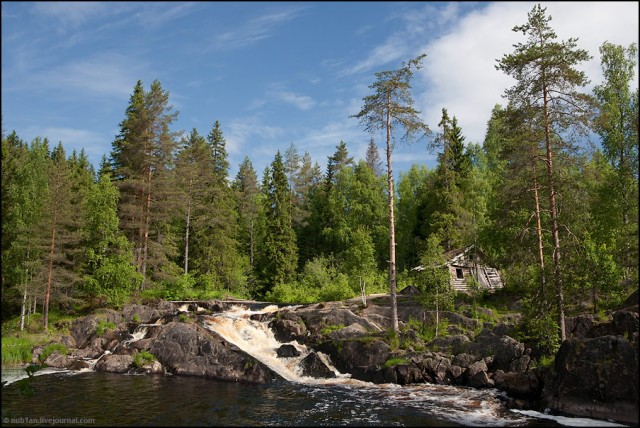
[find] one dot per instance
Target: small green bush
(136, 318)
(103, 326)
(143, 358)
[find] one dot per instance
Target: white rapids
(467, 406)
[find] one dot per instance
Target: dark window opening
(459, 273)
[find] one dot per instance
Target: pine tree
(58, 225)
(391, 107)
(336, 162)
(546, 80)
(142, 160)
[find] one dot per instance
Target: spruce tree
(280, 252)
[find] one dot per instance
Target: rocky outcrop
(188, 349)
(595, 372)
(595, 378)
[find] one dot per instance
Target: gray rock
(595, 378)
(114, 363)
(191, 350)
(313, 366)
(287, 351)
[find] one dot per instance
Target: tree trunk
(251, 243)
(554, 219)
(145, 251)
(50, 273)
(186, 238)
(23, 309)
(392, 233)
(543, 280)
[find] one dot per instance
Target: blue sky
(272, 73)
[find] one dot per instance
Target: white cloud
(460, 73)
(107, 74)
(393, 49)
(93, 143)
(69, 14)
(253, 31)
(303, 102)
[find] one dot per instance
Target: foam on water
(569, 421)
(466, 406)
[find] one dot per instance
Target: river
(90, 398)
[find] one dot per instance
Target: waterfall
(256, 339)
(464, 405)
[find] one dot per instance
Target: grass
(328, 329)
(103, 326)
(395, 362)
(143, 358)
(17, 350)
(17, 345)
(50, 349)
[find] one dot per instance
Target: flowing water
(90, 398)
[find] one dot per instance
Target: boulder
(408, 373)
(142, 314)
(520, 365)
(579, 326)
(456, 344)
(114, 363)
(83, 329)
(313, 366)
(463, 360)
(57, 360)
(68, 341)
(527, 385)
(191, 350)
(286, 330)
(351, 331)
(595, 378)
(626, 322)
(350, 354)
(287, 351)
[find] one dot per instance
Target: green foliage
(429, 332)
(143, 358)
(183, 317)
(104, 326)
(330, 328)
(539, 328)
(395, 362)
(393, 338)
(50, 349)
(136, 318)
(17, 350)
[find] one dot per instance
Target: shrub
(143, 358)
(103, 326)
(50, 349)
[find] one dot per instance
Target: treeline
(162, 218)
